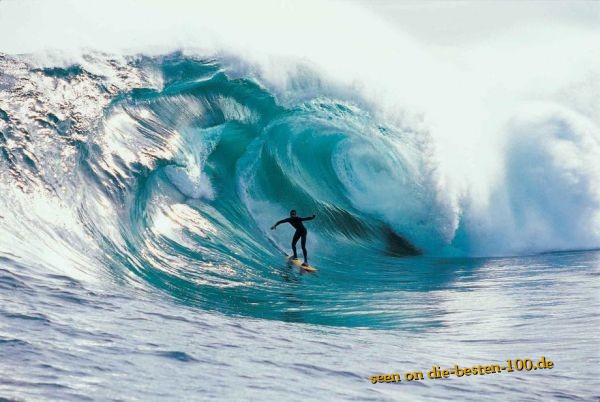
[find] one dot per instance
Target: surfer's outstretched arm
(280, 222)
(308, 218)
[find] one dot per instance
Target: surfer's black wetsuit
(301, 232)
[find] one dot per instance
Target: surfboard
(297, 262)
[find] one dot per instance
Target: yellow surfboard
(298, 263)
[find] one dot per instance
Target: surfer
(296, 222)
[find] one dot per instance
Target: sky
(445, 22)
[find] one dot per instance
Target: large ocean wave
(168, 167)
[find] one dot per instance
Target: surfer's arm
(280, 222)
(308, 218)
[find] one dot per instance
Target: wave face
(169, 171)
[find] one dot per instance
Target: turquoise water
(137, 260)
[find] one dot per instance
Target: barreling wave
(175, 185)
(166, 169)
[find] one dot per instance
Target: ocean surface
(64, 339)
(137, 191)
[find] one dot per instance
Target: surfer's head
(293, 212)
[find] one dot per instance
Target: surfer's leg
(303, 243)
(294, 241)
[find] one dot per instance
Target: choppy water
(70, 340)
